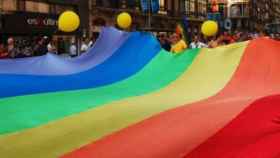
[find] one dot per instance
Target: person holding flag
(178, 44)
(196, 43)
(179, 38)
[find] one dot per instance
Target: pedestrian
(277, 36)
(91, 42)
(196, 43)
(51, 47)
(27, 50)
(73, 49)
(11, 47)
(216, 42)
(20, 45)
(244, 37)
(40, 48)
(228, 39)
(84, 46)
(212, 43)
(164, 42)
(3, 52)
(263, 34)
(178, 44)
(237, 36)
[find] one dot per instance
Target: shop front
(23, 26)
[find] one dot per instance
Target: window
(8, 5)
(31, 6)
(201, 7)
(58, 9)
(61, 8)
(246, 10)
(162, 6)
(204, 7)
(21, 5)
(162, 3)
(187, 6)
(235, 10)
(40, 7)
(192, 6)
(43, 8)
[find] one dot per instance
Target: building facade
(217, 10)
(104, 12)
(32, 18)
(238, 13)
(264, 12)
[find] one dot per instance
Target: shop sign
(42, 22)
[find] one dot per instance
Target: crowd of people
(38, 46)
(176, 44)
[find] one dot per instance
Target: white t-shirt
(51, 47)
(73, 50)
(194, 45)
(90, 44)
(84, 47)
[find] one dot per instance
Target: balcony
(115, 8)
(240, 10)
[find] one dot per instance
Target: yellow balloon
(209, 28)
(68, 21)
(124, 20)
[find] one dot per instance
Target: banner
(155, 6)
(150, 4)
(144, 5)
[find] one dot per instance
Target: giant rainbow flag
(128, 98)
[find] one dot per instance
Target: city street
(139, 78)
